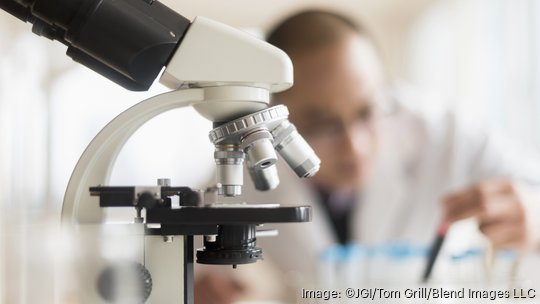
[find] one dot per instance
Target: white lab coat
(422, 157)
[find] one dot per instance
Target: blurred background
(479, 57)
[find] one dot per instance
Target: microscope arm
(96, 163)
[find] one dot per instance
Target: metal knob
(125, 282)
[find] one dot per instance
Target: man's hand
(505, 214)
(217, 288)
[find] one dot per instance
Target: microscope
(227, 76)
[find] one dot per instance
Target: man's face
(332, 105)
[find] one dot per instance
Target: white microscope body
(225, 74)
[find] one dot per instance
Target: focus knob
(126, 282)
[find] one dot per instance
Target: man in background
(390, 170)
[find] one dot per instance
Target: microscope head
(213, 54)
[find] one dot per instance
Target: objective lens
(259, 149)
(295, 150)
(229, 161)
(264, 179)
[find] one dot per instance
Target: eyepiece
(295, 150)
(127, 41)
(19, 10)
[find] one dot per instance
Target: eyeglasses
(379, 108)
